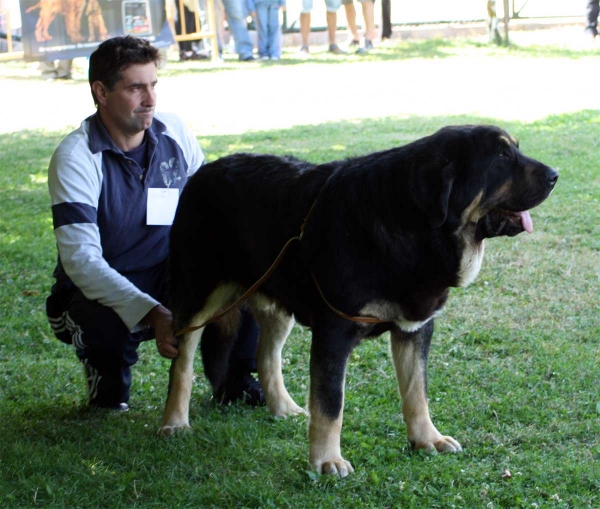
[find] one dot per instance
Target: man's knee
(307, 6)
(333, 5)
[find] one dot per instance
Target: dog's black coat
(391, 228)
(379, 228)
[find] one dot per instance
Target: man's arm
(74, 182)
(161, 319)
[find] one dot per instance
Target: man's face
(129, 107)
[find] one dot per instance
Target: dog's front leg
(181, 377)
(409, 355)
(329, 355)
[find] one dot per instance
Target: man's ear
(431, 185)
(100, 92)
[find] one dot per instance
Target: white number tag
(162, 203)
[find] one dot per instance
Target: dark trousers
(108, 349)
(592, 10)
(386, 15)
(190, 27)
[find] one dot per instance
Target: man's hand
(161, 319)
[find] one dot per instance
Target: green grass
(514, 368)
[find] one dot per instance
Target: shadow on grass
(429, 49)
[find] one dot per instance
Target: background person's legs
(351, 19)
(238, 29)
(60, 69)
(591, 15)
(386, 19)
(368, 10)
(305, 28)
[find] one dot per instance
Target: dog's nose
(551, 176)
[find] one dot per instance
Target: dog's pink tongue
(526, 221)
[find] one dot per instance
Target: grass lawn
(514, 369)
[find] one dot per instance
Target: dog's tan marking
(392, 312)
(410, 368)
(470, 262)
(472, 251)
(511, 141)
(177, 409)
(473, 212)
(325, 453)
(275, 326)
(502, 193)
(181, 377)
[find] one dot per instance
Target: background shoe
(303, 51)
(365, 49)
(336, 50)
(201, 55)
(591, 33)
(249, 58)
(186, 55)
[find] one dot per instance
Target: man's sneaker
(97, 399)
(245, 388)
(119, 407)
(354, 43)
(253, 394)
(336, 50)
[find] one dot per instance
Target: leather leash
(266, 275)
(247, 293)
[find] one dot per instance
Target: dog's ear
(431, 185)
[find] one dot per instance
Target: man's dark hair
(113, 56)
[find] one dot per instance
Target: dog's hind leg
(181, 375)
(181, 378)
(409, 355)
(275, 326)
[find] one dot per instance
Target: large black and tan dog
(385, 236)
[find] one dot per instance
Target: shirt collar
(100, 139)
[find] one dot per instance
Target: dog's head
(476, 175)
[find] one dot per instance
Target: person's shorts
(332, 5)
(346, 2)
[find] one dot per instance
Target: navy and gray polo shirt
(99, 201)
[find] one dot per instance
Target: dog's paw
(447, 444)
(439, 443)
(286, 408)
(167, 430)
(337, 466)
